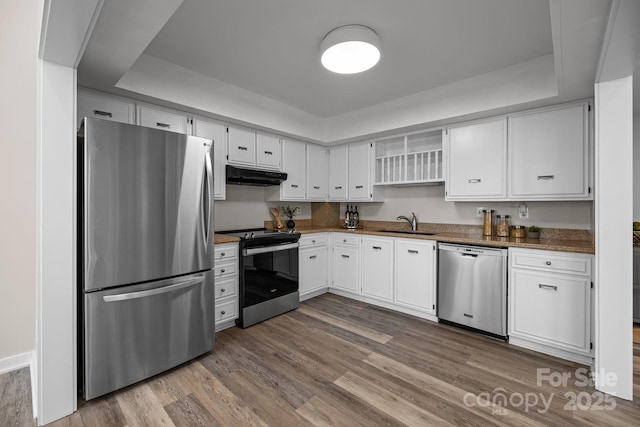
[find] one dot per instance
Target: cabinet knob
(548, 262)
(222, 270)
(223, 254)
(344, 240)
(313, 241)
(223, 290)
(223, 312)
(313, 257)
(315, 187)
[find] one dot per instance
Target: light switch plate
(479, 212)
(523, 211)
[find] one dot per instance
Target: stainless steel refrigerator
(145, 249)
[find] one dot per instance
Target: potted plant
(533, 232)
(290, 213)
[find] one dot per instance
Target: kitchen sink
(421, 233)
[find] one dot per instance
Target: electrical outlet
(479, 213)
(296, 210)
(523, 211)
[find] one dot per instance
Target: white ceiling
(271, 49)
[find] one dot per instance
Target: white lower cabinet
(226, 284)
(314, 265)
(415, 276)
(550, 303)
(377, 268)
(345, 265)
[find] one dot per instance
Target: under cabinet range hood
(255, 177)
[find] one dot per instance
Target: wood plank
(364, 331)
(188, 411)
(15, 398)
(141, 407)
(101, 411)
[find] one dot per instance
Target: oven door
(268, 272)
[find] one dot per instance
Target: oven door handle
(265, 249)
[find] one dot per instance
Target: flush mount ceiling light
(350, 49)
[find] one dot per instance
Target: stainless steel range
(268, 274)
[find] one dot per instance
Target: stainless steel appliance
(145, 249)
(472, 288)
(268, 274)
(255, 177)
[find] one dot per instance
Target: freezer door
(472, 287)
(147, 204)
(134, 332)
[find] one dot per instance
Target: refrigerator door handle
(206, 199)
(155, 291)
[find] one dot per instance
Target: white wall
(245, 208)
(429, 206)
(636, 166)
(19, 39)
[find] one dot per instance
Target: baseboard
(13, 363)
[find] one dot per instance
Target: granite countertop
(223, 238)
(550, 244)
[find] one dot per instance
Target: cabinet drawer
(313, 240)
(225, 270)
(226, 287)
(226, 311)
(552, 262)
(222, 253)
(551, 309)
(345, 239)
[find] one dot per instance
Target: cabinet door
(338, 173)
(104, 107)
(476, 158)
(549, 154)
(268, 151)
(551, 309)
(241, 146)
(377, 268)
(293, 163)
(317, 172)
(218, 133)
(415, 274)
(359, 172)
(155, 117)
(313, 269)
(345, 269)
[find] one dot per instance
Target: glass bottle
(487, 226)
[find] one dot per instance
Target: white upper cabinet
(267, 151)
(477, 161)
(549, 154)
(161, 118)
(241, 146)
(359, 181)
(293, 163)
(102, 106)
(317, 172)
(218, 133)
(338, 173)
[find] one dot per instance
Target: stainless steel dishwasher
(472, 288)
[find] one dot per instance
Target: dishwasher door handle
(469, 255)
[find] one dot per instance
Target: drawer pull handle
(359, 186)
(313, 257)
(294, 185)
(549, 287)
(223, 312)
(223, 290)
(548, 262)
(345, 256)
(412, 251)
(163, 125)
(102, 113)
(546, 177)
(474, 181)
(377, 248)
(339, 188)
(268, 153)
(222, 270)
(315, 187)
(241, 148)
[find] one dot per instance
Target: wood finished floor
(336, 361)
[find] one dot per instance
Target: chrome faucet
(413, 221)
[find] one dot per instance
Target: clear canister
(502, 225)
(487, 226)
